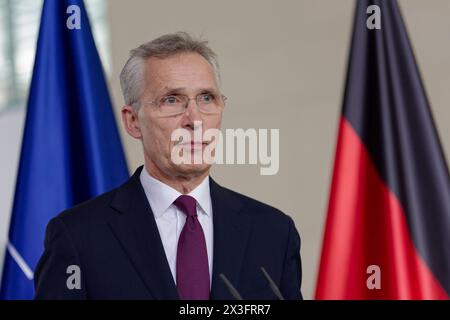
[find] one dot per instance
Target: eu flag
(71, 149)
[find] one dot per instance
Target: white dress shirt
(170, 220)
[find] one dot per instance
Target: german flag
(387, 233)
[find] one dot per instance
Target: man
(171, 230)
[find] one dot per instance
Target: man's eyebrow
(180, 90)
(168, 90)
(208, 90)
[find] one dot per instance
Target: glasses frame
(157, 103)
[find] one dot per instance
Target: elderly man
(171, 231)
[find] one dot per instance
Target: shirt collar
(203, 196)
(161, 196)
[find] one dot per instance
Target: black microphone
(272, 285)
(230, 287)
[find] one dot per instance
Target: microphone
(230, 287)
(272, 285)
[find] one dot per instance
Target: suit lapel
(135, 228)
(231, 235)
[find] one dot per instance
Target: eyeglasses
(175, 104)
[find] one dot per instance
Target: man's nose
(192, 113)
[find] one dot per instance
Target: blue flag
(71, 148)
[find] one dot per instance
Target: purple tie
(192, 257)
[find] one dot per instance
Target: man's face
(187, 74)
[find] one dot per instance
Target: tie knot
(187, 204)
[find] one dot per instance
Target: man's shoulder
(254, 207)
(101, 206)
(92, 209)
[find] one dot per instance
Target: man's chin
(193, 169)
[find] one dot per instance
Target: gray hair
(132, 74)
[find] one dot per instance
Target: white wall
(11, 124)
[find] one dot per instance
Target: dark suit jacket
(115, 241)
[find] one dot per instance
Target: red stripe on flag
(366, 226)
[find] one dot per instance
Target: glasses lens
(172, 104)
(209, 103)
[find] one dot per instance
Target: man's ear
(131, 122)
